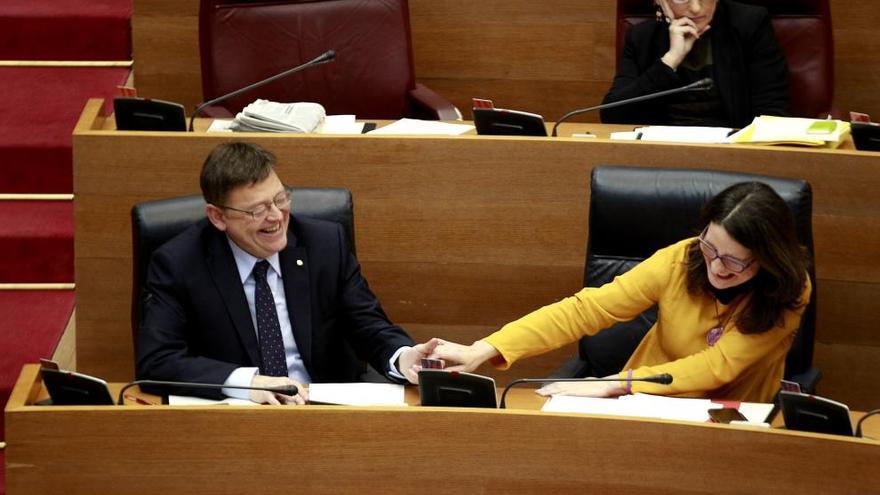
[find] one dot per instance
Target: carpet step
(32, 325)
(36, 242)
(39, 109)
(65, 30)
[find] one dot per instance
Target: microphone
(285, 390)
(323, 58)
(704, 84)
(664, 378)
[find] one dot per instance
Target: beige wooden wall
(547, 57)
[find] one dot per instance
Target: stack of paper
(684, 134)
(270, 116)
(788, 130)
(422, 127)
(650, 406)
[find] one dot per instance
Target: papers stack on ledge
(788, 130)
(270, 116)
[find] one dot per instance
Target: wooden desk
(336, 449)
(459, 235)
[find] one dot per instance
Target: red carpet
(36, 241)
(32, 323)
(65, 30)
(38, 111)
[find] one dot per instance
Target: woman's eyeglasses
(731, 263)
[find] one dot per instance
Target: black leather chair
(636, 211)
(155, 222)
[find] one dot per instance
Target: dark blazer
(750, 70)
(196, 325)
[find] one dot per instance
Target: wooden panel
(545, 57)
(850, 373)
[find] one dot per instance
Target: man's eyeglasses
(710, 253)
(281, 201)
(682, 2)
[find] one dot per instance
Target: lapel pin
(299, 262)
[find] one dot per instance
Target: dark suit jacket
(196, 325)
(750, 70)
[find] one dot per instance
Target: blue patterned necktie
(271, 344)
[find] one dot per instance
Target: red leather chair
(372, 77)
(803, 29)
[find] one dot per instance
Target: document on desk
(636, 405)
(357, 394)
(186, 400)
(422, 127)
(685, 134)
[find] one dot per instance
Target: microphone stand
(701, 85)
(664, 379)
(325, 57)
(285, 390)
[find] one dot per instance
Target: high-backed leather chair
(636, 211)
(153, 223)
(803, 30)
(372, 77)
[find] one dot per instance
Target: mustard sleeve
(722, 363)
(588, 311)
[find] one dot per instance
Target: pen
(138, 400)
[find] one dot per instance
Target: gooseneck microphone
(664, 379)
(704, 84)
(325, 57)
(285, 390)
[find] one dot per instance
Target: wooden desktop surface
(338, 449)
(459, 235)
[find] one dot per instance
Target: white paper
(756, 412)
(186, 400)
(624, 135)
(220, 126)
(358, 394)
(341, 124)
(685, 134)
(637, 405)
(422, 127)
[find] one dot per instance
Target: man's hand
(410, 359)
(468, 357)
(583, 389)
(266, 397)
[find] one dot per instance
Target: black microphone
(325, 57)
(285, 390)
(664, 378)
(704, 84)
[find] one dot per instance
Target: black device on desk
(807, 412)
(456, 389)
(866, 135)
(143, 114)
(68, 388)
(501, 122)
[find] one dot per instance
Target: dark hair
(231, 165)
(756, 217)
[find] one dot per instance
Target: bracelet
(629, 383)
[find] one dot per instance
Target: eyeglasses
(682, 2)
(710, 253)
(281, 201)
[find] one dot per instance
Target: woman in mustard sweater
(730, 302)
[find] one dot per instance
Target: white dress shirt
(296, 368)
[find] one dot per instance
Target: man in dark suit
(251, 296)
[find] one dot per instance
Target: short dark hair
(758, 218)
(231, 165)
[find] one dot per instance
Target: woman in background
(730, 302)
(730, 42)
